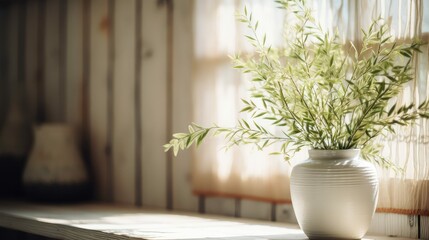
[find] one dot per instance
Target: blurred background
(116, 72)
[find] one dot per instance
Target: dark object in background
(57, 192)
(55, 170)
(11, 168)
(15, 143)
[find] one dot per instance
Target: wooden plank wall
(120, 72)
(109, 68)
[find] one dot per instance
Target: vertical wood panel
(40, 81)
(12, 49)
(137, 103)
(21, 50)
(255, 210)
(169, 93)
(62, 31)
(85, 104)
(74, 45)
(99, 27)
(222, 206)
(153, 102)
(182, 101)
(52, 62)
(31, 69)
(110, 95)
(3, 62)
(424, 227)
(391, 224)
(124, 131)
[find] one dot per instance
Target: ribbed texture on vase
(334, 198)
(334, 177)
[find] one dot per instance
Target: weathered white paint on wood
(98, 95)
(218, 205)
(31, 71)
(153, 102)
(123, 105)
(52, 98)
(255, 210)
(397, 225)
(182, 101)
(74, 65)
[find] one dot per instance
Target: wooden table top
(95, 221)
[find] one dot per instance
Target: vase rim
(322, 154)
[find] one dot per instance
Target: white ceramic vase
(334, 194)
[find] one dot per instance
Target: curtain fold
(246, 173)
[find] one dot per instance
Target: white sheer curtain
(240, 172)
(246, 173)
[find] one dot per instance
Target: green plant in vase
(322, 93)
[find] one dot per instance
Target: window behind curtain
(245, 173)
